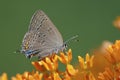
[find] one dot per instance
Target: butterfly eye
(65, 45)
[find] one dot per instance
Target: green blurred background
(90, 19)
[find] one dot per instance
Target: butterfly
(42, 38)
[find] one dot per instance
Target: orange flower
(106, 75)
(117, 68)
(3, 76)
(53, 76)
(56, 76)
(28, 76)
(104, 46)
(66, 76)
(48, 67)
(85, 70)
(65, 59)
(84, 75)
(89, 76)
(85, 64)
(116, 23)
(113, 55)
(50, 64)
(70, 70)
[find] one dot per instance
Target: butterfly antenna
(73, 37)
(16, 51)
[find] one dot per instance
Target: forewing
(47, 34)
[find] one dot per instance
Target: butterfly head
(65, 46)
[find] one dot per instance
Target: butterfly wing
(44, 36)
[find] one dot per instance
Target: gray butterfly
(42, 38)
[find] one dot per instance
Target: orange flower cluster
(85, 71)
(113, 57)
(49, 67)
(88, 68)
(4, 77)
(28, 76)
(116, 22)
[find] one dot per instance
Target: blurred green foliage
(90, 19)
